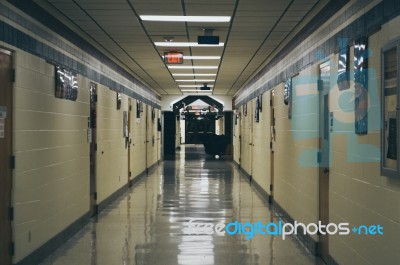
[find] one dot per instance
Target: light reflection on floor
(149, 224)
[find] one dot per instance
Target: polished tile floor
(170, 218)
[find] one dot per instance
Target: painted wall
(51, 177)
(358, 194)
(296, 145)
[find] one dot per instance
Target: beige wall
(296, 182)
(358, 193)
(51, 178)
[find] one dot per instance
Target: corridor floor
(159, 221)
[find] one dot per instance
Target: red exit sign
(173, 57)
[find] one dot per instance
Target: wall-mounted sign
(173, 57)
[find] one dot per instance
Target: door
(93, 148)
(247, 138)
(5, 155)
(272, 144)
(147, 141)
(323, 154)
(129, 141)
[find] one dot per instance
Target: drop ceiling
(256, 31)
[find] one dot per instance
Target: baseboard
(308, 242)
(110, 199)
(260, 191)
(50, 246)
(331, 261)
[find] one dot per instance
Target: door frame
(129, 141)
(272, 143)
(323, 155)
(6, 161)
(93, 148)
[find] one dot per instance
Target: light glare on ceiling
(182, 74)
(191, 67)
(194, 85)
(200, 57)
(185, 18)
(195, 80)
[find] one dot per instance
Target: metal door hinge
(11, 213)
(271, 187)
(320, 84)
(12, 75)
(12, 162)
(11, 249)
(319, 157)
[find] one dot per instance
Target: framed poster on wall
(343, 79)
(66, 84)
(287, 96)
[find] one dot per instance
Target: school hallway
(150, 223)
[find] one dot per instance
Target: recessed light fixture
(186, 44)
(200, 57)
(191, 67)
(179, 74)
(195, 90)
(186, 18)
(195, 80)
(194, 85)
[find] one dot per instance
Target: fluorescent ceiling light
(195, 90)
(194, 85)
(194, 74)
(195, 80)
(185, 44)
(200, 57)
(191, 67)
(186, 18)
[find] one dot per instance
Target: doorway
(272, 144)
(169, 134)
(323, 154)
(129, 141)
(93, 148)
(6, 155)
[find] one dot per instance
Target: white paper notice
(3, 112)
